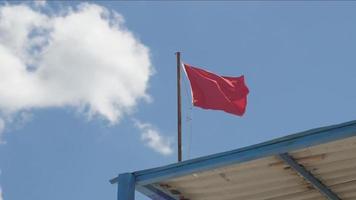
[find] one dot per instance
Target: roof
(315, 164)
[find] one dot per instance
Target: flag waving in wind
(211, 91)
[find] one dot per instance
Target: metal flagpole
(179, 108)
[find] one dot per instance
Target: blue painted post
(126, 187)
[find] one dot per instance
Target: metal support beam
(126, 187)
(316, 183)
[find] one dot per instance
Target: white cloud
(82, 57)
(2, 128)
(40, 3)
(153, 139)
(1, 197)
(1, 193)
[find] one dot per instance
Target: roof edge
(280, 145)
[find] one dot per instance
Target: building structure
(312, 165)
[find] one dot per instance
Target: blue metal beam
(143, 180)
(126, 187)
(316, 183)
(274, 147)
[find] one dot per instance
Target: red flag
(211, 91)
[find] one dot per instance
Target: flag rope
(189, 117)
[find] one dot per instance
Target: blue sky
(297, 58)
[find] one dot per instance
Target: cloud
(40, 3)
(2, 128)
(1, 196)
(83, 57)
(153, 139)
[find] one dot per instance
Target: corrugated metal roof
(270, 178)
(259, 173)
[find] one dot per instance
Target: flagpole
(179, 108)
